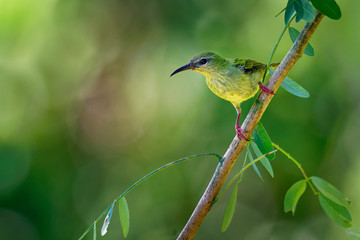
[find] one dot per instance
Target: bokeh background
(87, 108)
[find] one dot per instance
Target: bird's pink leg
(265, 89)
(239, 132)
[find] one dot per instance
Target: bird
(235, 80)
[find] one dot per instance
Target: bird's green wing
(249, 66)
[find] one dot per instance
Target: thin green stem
(241, 172)
(276, 46)
(146, 177)
(241, 176)
(94, 233)
(288, 5)
(308, 180)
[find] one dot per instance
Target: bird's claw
(240, 133)
(265, 89)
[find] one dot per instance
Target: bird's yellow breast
(235, 88)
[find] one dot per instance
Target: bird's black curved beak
(183, 68)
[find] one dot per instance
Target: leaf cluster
(123, 215)
(333, 201)
(305, 9)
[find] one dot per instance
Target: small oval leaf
(229, 210)
(107, 220)
(309, 50)
(124, 216)
(293, 87)
(264, 161)
(290, 9)
(263, 141)
(251, 159)
(328, 7)
(304, 10)
(335, 212)
(293, 195)
(330, 191)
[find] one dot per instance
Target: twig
(308, 180)
(253, 117)
(147, 176)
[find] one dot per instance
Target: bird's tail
(274, 65)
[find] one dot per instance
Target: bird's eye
(203, 61)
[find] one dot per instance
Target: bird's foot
(240, 133)
(265, 89)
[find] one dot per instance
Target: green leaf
(94, 232)
(293, 87)
(229, 210)
(304, 10)
(309, 50)
(107, 220)
(290, 9)
(263, 141)
(124, 216)
(253, 165)
(335, 212)
(293, 195)
(264, 161)
(328, 8)
(330, 191)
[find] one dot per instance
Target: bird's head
(205, 63)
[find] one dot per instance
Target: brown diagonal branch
(252, 119)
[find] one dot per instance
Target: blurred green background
(87, 108)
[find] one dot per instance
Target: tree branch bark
(249, 124)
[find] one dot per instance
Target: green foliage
(107, 220)
(264, 161)
(339, 214)
(304, 10)
(123, 208)
(293, 87)
(124, 216)
(328, 7)
(229, 210)
(249, 154)
(293, 195)
(330, 191)
(290, 10)
(241, 172)
(263, 140)
(309, 50)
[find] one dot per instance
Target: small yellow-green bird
(235, 80)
